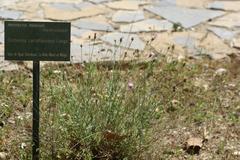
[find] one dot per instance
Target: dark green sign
(38, 41)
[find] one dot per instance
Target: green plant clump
(100, 114)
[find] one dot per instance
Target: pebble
(220, 71)
(236, 153)
(3, 155)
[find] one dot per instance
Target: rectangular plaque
(37, 41)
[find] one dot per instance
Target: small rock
(175, 102)
(56, 71)
(220, 71)
(201, 83)
(130, 85)
(11, 121)
(236, 153)
(3, 155)
(193, 145)
(23, 145)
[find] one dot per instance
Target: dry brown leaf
(111, 136)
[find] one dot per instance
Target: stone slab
(147, 26)
(25, 6)
(185, 16)
(177, 43)
(223, 33)
(192, 3)
(63, 6)
(59, 1)
(185, 41)
(131, 41)
(31, 10)
(128, 16)
(1, 38)
(236, 43)
(93, 25)
(193, 44)
(6, 3)
(36, 16)
(1, 27)
(70, 6)
(163, 3)
(230, 21)
(125, 4)
(79, 32)
(225, 5)
(9, 14)
(214, 47)
(98, 1)
(64, 15)
(1, 50)
(7, 65)
(183, 3)
(83, 5)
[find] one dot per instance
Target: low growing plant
(102, 114)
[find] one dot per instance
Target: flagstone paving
(106, 30)
(127, 16)
(229, 21)
(131, 41)
(224, 33)
(1, 38)
(148, 25)
(187, 17)
(92, 25)
(9, 14)
(1, 27)
(236, 43)
(225, 5)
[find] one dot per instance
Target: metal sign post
(37, 41)
(35, 110)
